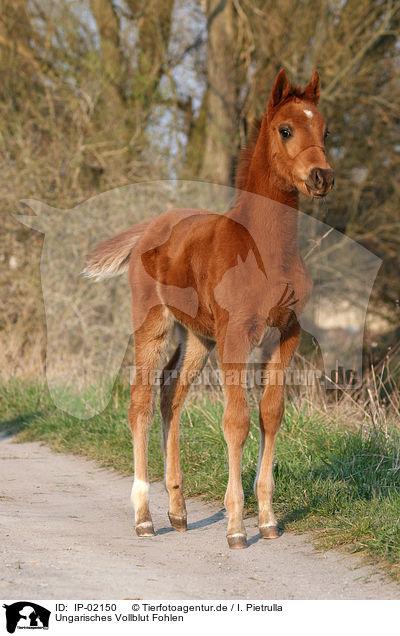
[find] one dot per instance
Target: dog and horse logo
(26, 615)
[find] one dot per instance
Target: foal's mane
(246, 153)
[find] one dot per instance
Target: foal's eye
(285, 133)
(327, 132)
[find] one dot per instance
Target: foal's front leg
(236, 425)
(271, 411)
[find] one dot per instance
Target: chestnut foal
(226, 280)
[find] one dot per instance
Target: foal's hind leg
(271, 411)
(150, 343)
(184, 366)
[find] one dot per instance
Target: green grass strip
(342, 483)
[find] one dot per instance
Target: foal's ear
(280, 89)
(312, 90)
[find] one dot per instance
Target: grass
(340, 482)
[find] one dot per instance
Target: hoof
(179, 523)
(237, 541)
(269, 532)
(145, 529)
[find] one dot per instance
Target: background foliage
(100, 93)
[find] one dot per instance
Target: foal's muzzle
(320, 181)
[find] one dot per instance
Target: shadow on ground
(8, 428)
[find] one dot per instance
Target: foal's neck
(269, 212)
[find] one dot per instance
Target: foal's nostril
(321, 178)
(317, 178)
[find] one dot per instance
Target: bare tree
(221, 122)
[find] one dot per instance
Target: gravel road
(67, 529)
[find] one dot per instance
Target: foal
(226, 280)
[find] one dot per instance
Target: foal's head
(297, 133)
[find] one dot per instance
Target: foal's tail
(111, 257)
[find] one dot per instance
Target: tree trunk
(111, 61)
(221, 130)
(153, 18)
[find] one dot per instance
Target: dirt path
(67, 533)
